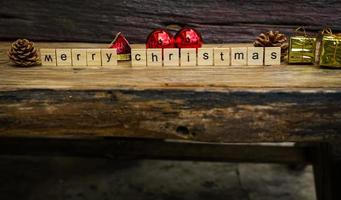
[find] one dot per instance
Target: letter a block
(48, 57)
(222, 56)
(154, 57)
(138, 58)
(93, 57)
(255, 56)
(238, 55)
(272, 56)
(78, 57)
(109, 57)
(171, 57)
(188, 57)
(205, 56)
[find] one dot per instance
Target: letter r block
(93, 57)
(48, 57)
(171, 57)
(78, 57)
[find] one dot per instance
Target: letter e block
(171, 57)
(188, 57)
(255, 56)
(205, 56)
(78, 57)
(64, 57)
(154, 57)
(93, 57)
(138, 58)
(221, 56)
(238, 55)
(272, 56)
(109, 57)
(48, 57)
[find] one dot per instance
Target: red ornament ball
(121, 44)
(188, 38)
(160, 38)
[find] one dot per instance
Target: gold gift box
(330, 55)
(302, 49)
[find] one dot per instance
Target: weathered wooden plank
(223, 21)
(214, 116)
(262, 78)
(116, 148)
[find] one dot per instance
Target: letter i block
(205, 56)
(78, 57)
(138, 58)
(64, 57)
(238, 55)
(93, 57)
(154, 57)
(188, 57)
(255, 56)
(272, 56)
(48, 57)
(222, 56)
(171, 57)
(109, 57)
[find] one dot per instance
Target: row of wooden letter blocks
(206, 56)
(164, 57)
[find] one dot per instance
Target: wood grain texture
(222, 21)
(233, 104)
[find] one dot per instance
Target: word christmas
(164, 57)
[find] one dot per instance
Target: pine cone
(23, 53)
(273, 39)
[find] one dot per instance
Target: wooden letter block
(188, 57)
(255, 56)
(221, 56)
(138, 58)
(205, 56)
(93, 57)
(154, 57)
(272, 56)
(78, 57)
(171, 57)
(64, 57)
(238, 55)
(48, 57)
(109, 57)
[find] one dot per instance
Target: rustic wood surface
(234, 104)
(217, 20)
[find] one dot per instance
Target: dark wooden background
(218, 21)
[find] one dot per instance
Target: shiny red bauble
(121, 44)
(188, 38)
(160, 38)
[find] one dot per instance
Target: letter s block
(272, 56)
(48, 57)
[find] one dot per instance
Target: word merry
(206, 56)
(78, 57)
